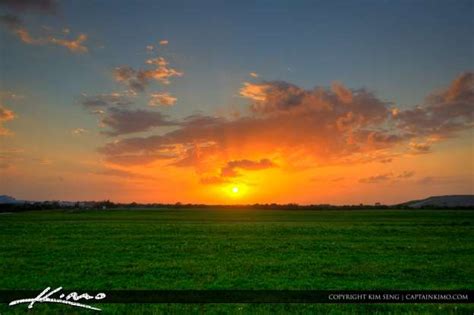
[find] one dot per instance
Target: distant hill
(8, 199)
(443, 201)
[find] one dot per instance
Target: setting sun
(234, 191)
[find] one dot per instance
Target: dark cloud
(12, 22)
(406, 174)
(230, 170)
(444, 113)
(387, 177)
(105, 100)
(124, 121)
(303, 128)
(138, 80)
(133, 79)
(314, 123)
(344, 107)
(43, 6)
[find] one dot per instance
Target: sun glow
(234, 190)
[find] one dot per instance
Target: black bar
(260, 296)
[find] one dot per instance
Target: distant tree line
(107, 204)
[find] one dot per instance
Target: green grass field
(238, 249)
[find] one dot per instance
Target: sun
(235, 190)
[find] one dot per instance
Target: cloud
(16, 26)
(5, 115)
(376, 179)
(164, 42)
(299, 128)
(255, 92)
(78, 131)
(295, 123)
(406, 174)
(42, 161)
(9, 95)
(357, 107)
(121, 173)
(443, 180)
(213, 180)
(164, 99)
(253, 74)
(74, 45)
(386, 177)
(230, 170)
(138, 159)
(125, 121)
(444, 113)
(12, 22)
(162, 72)
(9, 157)
(326, 179)
(138, 80)
(418, 148)
(344, 94)
(43, 6)
(105, 100)
(133, 79)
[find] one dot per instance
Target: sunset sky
(236, 101)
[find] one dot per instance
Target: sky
(236, 102)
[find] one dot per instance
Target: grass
(239, 249)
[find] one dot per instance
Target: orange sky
(95, 112)
(291, 145)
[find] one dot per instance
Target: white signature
(71, 299)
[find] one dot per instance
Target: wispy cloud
(5, 115)
(376, 179)
(121, 173)
(125, 121)
(138, 80)
(74, 45)
(78, 131)
(164, 99)
(231, 168)
(14, 23)
(105, 100)
(387, 177)
(16, 26)
(253, 74)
